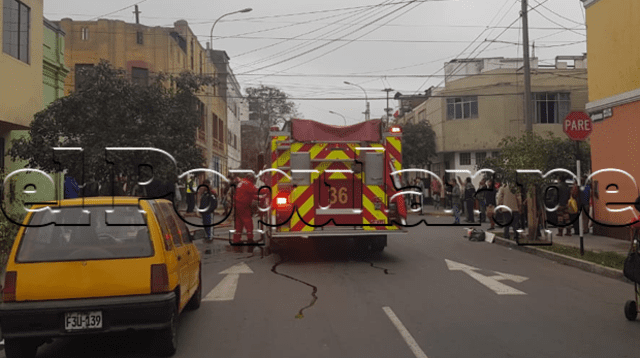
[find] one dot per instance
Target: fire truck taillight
(281, 201)
(396, 130)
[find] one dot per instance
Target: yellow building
(614, 104)
(482, 103)
(143, 51)
(20, 70)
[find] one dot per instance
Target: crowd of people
(463, 198)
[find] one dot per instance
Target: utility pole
(527, 70)
(388, 110)
(137, 15)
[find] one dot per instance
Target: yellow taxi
(99, 265)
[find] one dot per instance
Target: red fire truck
(337, 182)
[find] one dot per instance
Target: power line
(558, 15)
(124, 8)
(355, 22)
(326, 44)
(548, 19)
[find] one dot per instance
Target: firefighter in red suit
(245, 193)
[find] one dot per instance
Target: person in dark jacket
(585, 200)
(208, 205)
(563, 210)
(448, 188)
(490, 199)
(469, 199)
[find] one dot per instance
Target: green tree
(418, 144)
(111, 111)
(544, 153)
(269, 106)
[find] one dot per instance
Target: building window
(465, 158)
(140, 76)
(551, 107)
(139, 38)
(84, 33)
(221, 131)
(214, 127)
(235, 141)
(192, 46)
(15, 29)
(462, 107)
(81, 75)
(480, 157)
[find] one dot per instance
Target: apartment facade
(237, 107)
(21, 92)
(614, 104)
(144, 51)
(481, 103)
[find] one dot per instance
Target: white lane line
(413, 345)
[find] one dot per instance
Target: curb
(566, 260)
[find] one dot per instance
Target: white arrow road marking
(491, 282)
(508, 276)
(226, 289)
(413, 345)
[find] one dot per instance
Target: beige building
(482, 103)
(144, 51)
(20, 70)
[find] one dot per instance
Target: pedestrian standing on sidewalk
(448, 203)
(461, 203)
(482, 201)
(573, 214)
(563, 211)
(469, 198)
(436, 189)
(191, 194)
(585, 197)
(207, 207)
(490, 198)
(419, 198)
(509, 198)
(455, 200)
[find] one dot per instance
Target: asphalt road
(321, 300)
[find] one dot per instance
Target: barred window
(465, 158)
(480, 158)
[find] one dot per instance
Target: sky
(308, 49)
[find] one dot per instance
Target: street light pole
(343, 117)
(214, 24)
(366, 98)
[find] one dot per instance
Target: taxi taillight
(159, 278)
(9, 290)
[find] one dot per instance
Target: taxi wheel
(196, 299)
(165, 343)
(20, 347)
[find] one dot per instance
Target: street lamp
(214, 24)
(366, 113)
(345, 120)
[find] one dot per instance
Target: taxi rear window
(86, 233)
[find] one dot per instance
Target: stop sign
(577, 125)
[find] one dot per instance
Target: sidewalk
(591, 242)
